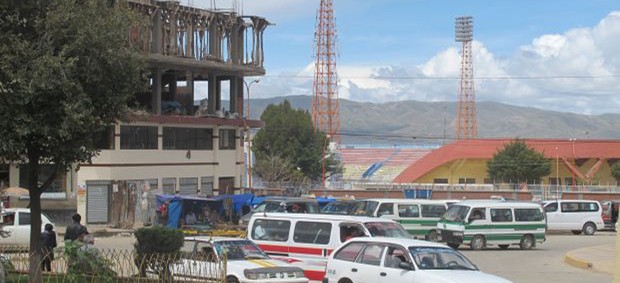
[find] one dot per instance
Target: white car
(246, 262)
(396, 260)
(16, 221)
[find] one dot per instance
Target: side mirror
(405, 265)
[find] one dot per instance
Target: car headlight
(252, 275)
(299, 273)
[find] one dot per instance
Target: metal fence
(89, 264)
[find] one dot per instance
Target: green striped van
(418, 216)
(485, 223)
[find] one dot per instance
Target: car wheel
(589, 229)
(478, 243)
(576, 232)
(345, 280)
(432, 236)
(453, 245)
(527, 242)
(503, 247)
(232, 279)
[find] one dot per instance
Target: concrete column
(218, 94)
(156, 92)
(233, 94)
(190, 86)
(211, 95)
(156, 32)
(190, 45)
(215, 40)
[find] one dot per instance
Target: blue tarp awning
(175, 206)
(238, 201)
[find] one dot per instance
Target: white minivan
(575, 215)
(418, 216)
(306, 240)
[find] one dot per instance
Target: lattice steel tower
(325, 105)
(466, 127)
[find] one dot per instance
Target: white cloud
(541, 73)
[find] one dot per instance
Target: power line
(414, 78)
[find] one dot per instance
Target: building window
(4, 176)
(488, 181)
(467, 180)
(104, 139)
(554, 181)
(206, 186)
(138, 137)
(188, 138)
(440, 181)
(45, 171)
(227, 139)
(169, 185)
(188, 186)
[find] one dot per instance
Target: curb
(577, 262)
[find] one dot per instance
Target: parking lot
(545, 263)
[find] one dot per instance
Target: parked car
(397, 260)
(246, 262)
(284, 205)
(578, 216)
(339, 207)
(610, 213)
(16, 221)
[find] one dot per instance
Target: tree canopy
(518, 163)
(67, 70)
(615, 171)
(288, 147)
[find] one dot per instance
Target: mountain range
(417, 122)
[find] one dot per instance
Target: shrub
(156, 248)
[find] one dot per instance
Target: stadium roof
(485, 149)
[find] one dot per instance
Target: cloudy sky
(558, 55)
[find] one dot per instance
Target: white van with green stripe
(418, 216)
(485, 223)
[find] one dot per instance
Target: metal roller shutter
(97, 197)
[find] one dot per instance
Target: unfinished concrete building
(175, 143)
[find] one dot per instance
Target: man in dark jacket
(49, 243)
(75, 230)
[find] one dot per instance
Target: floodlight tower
(466, 127)
(325, 105)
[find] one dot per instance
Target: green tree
(615, 171)
(288, 145)
(518, 163)
(67, 71)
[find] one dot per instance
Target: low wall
(464, 194)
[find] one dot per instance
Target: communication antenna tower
(467, 127)
(325, 105)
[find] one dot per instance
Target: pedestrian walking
(75, 231)
(49, 243)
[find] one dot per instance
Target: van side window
(271, 230)
(433, 210)
(478, 213)
(312, 232)
(408, 210)
(579, 207)
(386, 209)
(528, 214)
(501, 215)
(350, 231)
(552, 207)
(350, 252)
(24, 218)
(371, 254)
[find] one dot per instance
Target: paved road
(543, 264)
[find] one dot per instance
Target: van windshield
(270, 207)
(341, 208)
(456, 213)
(387, 229)
(365, 208)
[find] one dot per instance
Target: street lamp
(557, 171)
(248, 135)
(574, 164)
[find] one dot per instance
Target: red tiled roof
(484, 149)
